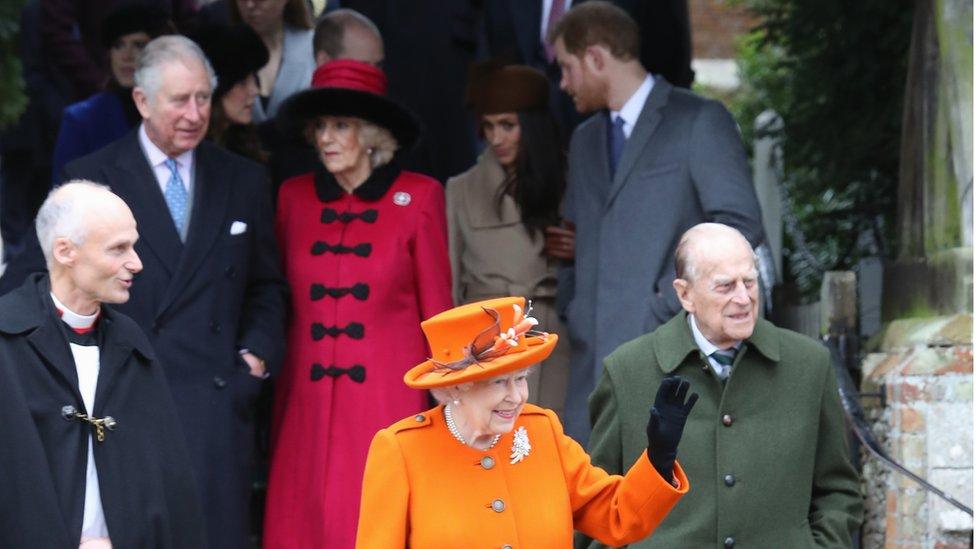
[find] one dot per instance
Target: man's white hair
(64, 212)
(164, 50)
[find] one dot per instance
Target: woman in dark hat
(236, 53)
(365, 254)
(91, 124)
(487, 469)
(504, 206)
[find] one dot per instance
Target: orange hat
(478, 341)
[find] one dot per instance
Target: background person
(236, 53)
(766, 445)
(653, 161)
(498, 212)
(486, 469)
(285, 26)
(91, 124)
(67, 363)
(365, 254)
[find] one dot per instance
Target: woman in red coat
(365, 252)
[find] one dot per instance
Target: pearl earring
(457, 401)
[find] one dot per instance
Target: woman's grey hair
(164, 50)
(443, 394)
(63, 214)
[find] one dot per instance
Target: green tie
(725, 360)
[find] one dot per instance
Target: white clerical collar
(631, 110)
(706, 346)
(156, 156)
(72, 318)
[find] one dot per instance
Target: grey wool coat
(765, 454)
(683, 164)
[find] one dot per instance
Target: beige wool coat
(493, 255)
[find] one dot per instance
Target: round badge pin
(401, 198)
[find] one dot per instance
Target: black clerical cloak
(148, 493)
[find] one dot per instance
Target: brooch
(401, 198)
(520, 445)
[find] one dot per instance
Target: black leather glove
(667, 421)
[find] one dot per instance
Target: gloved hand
(667, 421)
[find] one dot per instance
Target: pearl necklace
(456, 433)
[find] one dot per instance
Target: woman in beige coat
(508, 205)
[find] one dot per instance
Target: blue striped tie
(176, 196)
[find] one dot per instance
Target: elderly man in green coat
(764, 448)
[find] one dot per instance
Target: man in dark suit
(211, 296)
(668, 160)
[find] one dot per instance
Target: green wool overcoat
(765, 453)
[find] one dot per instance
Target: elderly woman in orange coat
(486, 469)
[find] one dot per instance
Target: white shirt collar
(706, 346)
(156, 156)
(72, 318)
(631, 110)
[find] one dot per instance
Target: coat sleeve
(615, 509)
(836, 505)
(720, 173)
(383, 509)
(432, 268)
(455, 236)
(262, 327)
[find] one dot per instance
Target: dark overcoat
(766, 453)
(200, 303)
(144, 473)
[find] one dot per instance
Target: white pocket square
(238, 227)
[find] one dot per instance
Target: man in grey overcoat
(652, 162)
(764, 448)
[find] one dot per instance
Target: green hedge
(835, 72)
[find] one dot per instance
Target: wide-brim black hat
(349, 88)
(235, 52)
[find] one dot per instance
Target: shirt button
(219, 382)
(487, 462)
(727, 420)
(498, 506)
(729, 480)
(418, 418)
(729, 542)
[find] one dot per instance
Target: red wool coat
(364, 269)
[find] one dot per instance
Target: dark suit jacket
(683, 164)
(145, 477)
(199, 304)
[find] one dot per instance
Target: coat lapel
(648, 121)
(136, 184)
(601, 148)
(209, 202)
(115, 348)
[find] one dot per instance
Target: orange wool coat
(422, 488)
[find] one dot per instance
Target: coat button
(215, 326)
(729, 542)
(727, 420)
(729, 480)
(230, 272)
(68, 412)
(219, 382)
(498, 506)
(418, 418)
(487, 462)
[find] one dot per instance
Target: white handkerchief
(238, 227)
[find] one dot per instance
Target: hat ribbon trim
(492, 343)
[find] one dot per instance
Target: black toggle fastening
(362, 250)
(360, 291)
(329, 215)
(354, 330)
(355, 372)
